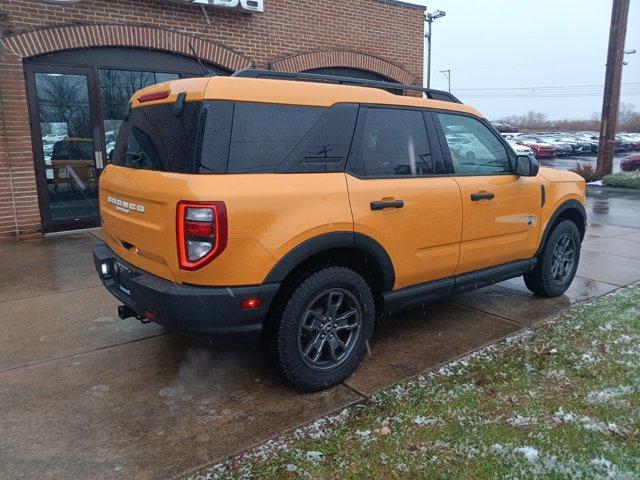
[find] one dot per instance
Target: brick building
(68, 67)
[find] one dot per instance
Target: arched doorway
(77, 100)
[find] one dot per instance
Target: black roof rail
(314, 77)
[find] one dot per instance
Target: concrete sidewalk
(84, 394)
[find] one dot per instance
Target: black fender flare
(568, 205)
(330, 241)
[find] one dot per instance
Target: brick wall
(380, 35)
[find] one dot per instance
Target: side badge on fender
(531, 220)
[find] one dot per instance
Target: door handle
(382, 205)
(482, 196)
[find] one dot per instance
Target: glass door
(67, 145)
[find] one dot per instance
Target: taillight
(202, 233)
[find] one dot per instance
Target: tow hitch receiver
(125, 312)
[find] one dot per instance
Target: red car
(542, 150)
(630, 163)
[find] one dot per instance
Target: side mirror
(526, 166)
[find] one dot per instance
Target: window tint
(214, 142)
(326, 145)
(394, 142)
(154, 138)
(474, 149)
(117, 87)
(263, 135)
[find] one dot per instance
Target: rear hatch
(157, 145)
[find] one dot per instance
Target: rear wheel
(323, 331)
(557, 263)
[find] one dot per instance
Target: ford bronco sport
(309, 206)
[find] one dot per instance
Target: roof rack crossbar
(314, 77)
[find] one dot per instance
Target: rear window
(160, 138)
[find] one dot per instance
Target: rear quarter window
(262, 135)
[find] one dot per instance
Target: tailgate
(138, 210)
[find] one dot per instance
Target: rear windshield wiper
(132, 156)
(133, 160)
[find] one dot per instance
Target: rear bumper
(187, 308)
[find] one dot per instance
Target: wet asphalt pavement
(84, 394)
(566, 163)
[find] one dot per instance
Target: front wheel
(557, 263)
(325, 326)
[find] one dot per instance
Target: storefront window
(117, 87)
(68, 145)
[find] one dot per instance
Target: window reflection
(67, 143)
(117, 87)
(474, 149)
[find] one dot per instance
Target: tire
(470, 156)
(552, 278)
(330, 315)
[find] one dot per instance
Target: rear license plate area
(122, 276)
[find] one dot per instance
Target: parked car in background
(633, 139)
(630, 163)
(504, 127)
(522, 149)
(589, 138)
(512, 136)
(622, 144)
(578, 147)
(562, 148)
(541, 149)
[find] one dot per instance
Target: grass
(562, 401)
(622, 180)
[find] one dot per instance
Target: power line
(542, 87)
(544, 96)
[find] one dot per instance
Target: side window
(474, 149)
(214, 137)
(263, 135)
(394, 143)
(325, 147)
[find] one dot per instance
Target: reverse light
(201, 231)
(104, 269)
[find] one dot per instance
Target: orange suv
(309, 206)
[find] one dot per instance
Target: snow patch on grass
(520, 421)
(609, 394)
(425, 421)
(529, 453)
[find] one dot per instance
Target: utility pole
(447, 74)
(429, 18)
(612, 81)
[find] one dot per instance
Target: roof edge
(400, 3)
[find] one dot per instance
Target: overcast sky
(505, 45)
